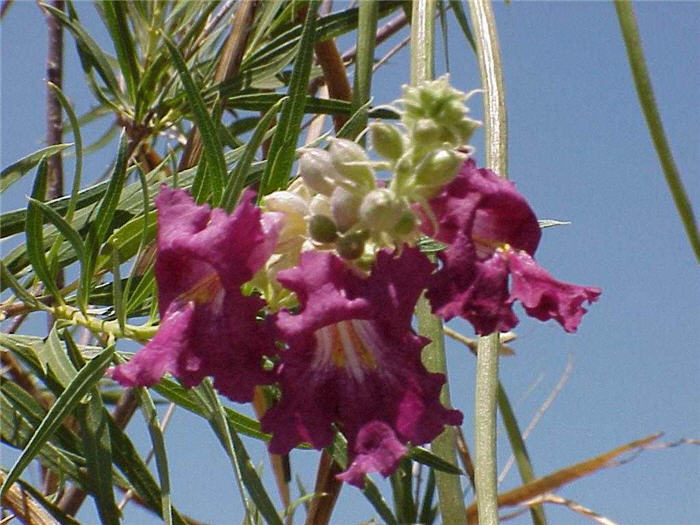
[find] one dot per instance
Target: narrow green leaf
(143, 241)
(13, 221)
(8, 280)
(91, 55)
(35, 235)
(237, 179)
(284, 143)
(64, 405)
(429, 459)
(185, 398)
(327, 27)
(77, 137)
(200, 187)
(98, 454)
(148, 409)
(117, 296)
(105, 213)
(16, 431)
(240, 459)
(463, 22)
(16, 170)
(116, 22)
(213, 150)
(34, 413)
(517, 444)
(645, 93)
(375, 497)
(402, 489)
(102, 224)
(53, 355)
(427, 513)
(68, 232)
(129, 461)
(24, 348)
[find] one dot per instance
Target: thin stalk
(449, 487)
(422, 41)
(366, 29)
(489, 57)
(54, 135)
(645, 92)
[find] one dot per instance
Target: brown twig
(4, 7)
(326, 491)
(24, 507)
(383, 33)
(226, 69)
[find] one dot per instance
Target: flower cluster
(323, 278)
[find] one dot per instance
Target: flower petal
(352, 356)
(376, 450)
(543, 296)
(208, 328)
(166, 352)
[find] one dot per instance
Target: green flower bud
(380, 210)
(322, 229)
(345, 208)
(406, 223)
(427, 132)
(386, 140)
(352, 245)
(316, 169)
(437, 168)
(351, 162)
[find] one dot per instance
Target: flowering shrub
(343, 244)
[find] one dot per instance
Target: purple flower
(492, 233)
(353, 361)
(208, 327)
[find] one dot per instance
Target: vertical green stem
(422, 40)
(645, 92)
(366, 30)
(488, 347)
(449, 487)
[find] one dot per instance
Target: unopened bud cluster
(338, 204)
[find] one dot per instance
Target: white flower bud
(320, 205)
(285, 202)
(345, 208)
(316, 169)
(351, 162)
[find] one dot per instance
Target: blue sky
(579, 151)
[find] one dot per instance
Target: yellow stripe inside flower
(346, 344)
(206, 290)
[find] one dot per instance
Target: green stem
(449, 487)
(366, 31)
(422, 40)
(488, 347)
(76, 317)
(645, 92)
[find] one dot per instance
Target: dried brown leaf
(548, 483)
